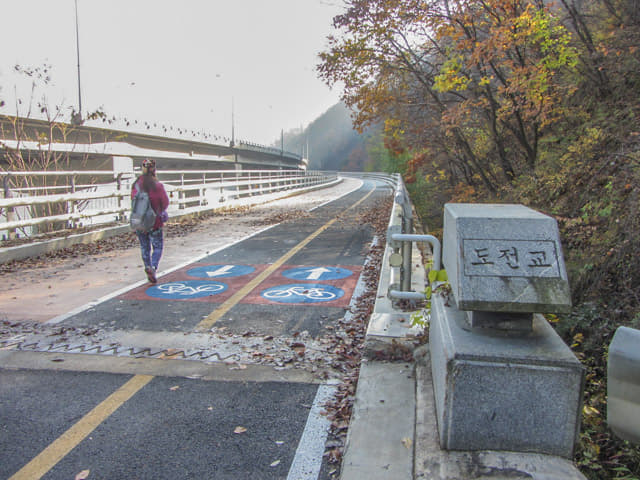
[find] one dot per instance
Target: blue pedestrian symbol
(186, 289)
(317, 273)
(220, 271)
(303, 293)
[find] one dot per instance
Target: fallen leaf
(333, 444)
(590, 411)
(174, 388)
(240, 430)
(275, 464)
(407, 442)
(82, 475)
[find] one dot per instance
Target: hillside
(331, 142)
(517, 102)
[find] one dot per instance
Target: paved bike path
(295, 277)
(322, 274)
(172, 428)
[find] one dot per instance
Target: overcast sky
(175, 62)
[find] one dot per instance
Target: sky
(173, 63)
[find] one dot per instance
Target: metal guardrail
(400, 238)
(383, 177)
(190, 191)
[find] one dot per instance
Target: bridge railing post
(203, 191)
(72, 205)
(181, 193)
(10, 212)
(119, 216)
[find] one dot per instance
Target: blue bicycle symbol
(186, 289)
(303, 293)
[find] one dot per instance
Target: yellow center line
(56, 451)
(206, 324)
(61, 447)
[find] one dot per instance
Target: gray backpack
(142, 216)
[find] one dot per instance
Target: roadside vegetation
(516, 102)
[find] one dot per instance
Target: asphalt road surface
(221, 370)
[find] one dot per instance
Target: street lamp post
(233, 135)
(76, 118)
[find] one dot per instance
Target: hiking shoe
(151, 274)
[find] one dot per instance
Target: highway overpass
(174, 152)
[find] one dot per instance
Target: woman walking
(151, 242)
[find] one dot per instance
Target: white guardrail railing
(400, 238)
(106, 196)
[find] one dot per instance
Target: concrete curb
(41, 248)
(381, 434)
(388, 325)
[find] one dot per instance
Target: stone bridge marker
(503, 379)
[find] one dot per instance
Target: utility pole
(77, 118)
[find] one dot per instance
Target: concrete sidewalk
(393, 431)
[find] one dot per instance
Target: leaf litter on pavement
(348, 339)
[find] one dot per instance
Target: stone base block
(500, 392)
(516, 323)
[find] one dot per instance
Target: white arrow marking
(220, 271)
(316, 273)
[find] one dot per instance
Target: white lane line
(338, 198)
(308, 459)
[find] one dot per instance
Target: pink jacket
(158, 197)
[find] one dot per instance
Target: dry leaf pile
(349, 339)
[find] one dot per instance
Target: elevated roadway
(59, 132)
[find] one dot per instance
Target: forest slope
(517, 102)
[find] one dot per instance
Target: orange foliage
(463, 193)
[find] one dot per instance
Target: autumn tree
(467, 84)
(27, 144)
(535, 102)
